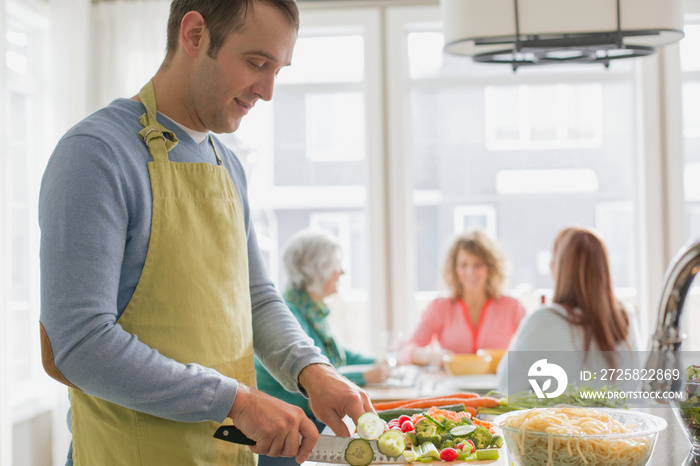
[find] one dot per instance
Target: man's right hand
(274, 425)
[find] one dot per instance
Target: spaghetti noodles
(566, 436)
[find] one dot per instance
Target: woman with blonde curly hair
(476, 314)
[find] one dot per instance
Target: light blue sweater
(95, 218)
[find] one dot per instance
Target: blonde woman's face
(472, 272)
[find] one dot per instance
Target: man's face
(244, 70)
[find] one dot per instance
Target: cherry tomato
(403, 418)
(448, 454)
(396, 428)
(460, 446)
(407, 426)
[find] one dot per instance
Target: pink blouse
(448, 321)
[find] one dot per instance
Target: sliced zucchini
(460, 431)
(370, 426)
(359, 452)
(391, 443)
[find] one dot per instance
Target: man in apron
(154, 294)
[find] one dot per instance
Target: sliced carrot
(486, 424)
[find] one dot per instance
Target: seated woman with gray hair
(312, 263)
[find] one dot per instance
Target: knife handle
(232, 434)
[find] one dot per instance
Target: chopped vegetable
(434, 421)
(359, 452)
(391, 443)
(467, 446)
(490, 454)
(411, 439)
(460, 431)
(390, 414)
(407, 426)
(690, 408)
(448, 433)
(448, 454)
(426, 450)
(370, 426)
(481, 437)
(439, 412)
(466, 456)
(496, 442)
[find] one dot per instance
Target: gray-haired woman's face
(331, 285)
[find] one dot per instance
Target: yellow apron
(192, 304)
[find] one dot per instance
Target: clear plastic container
(532, 448)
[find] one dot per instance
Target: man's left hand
(332, 396)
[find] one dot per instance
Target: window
(23, 388)
(546, 116)
(543, 148)
(690, 66)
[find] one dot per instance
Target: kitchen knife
(328, 449)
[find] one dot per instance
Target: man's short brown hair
(222, 18)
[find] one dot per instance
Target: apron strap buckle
(147, 138)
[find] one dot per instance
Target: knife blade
(328, 449)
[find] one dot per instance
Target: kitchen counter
(672, 447)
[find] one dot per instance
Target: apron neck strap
(153, 133)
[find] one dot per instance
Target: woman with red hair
(585, 317)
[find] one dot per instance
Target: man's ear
(194, 34)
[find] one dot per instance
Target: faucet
(667, 338)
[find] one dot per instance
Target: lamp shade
(539, 31)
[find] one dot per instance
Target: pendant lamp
(542, 32)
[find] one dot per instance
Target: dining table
(672, 447)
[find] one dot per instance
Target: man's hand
(274, 425)
(332, 396)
